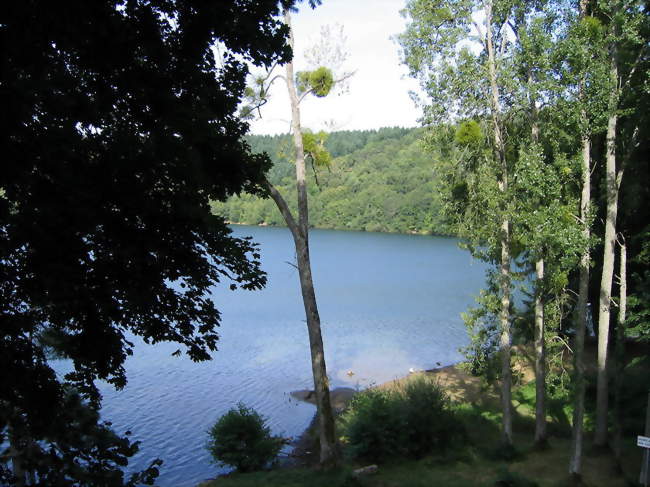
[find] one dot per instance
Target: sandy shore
(457, 383)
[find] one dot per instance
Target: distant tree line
(378, 181)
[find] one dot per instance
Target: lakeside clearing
(475, 465)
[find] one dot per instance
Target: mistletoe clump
(319, 81)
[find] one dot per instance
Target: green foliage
(469, 133)
(320, 81)
(372, 425)
(412, 421)
(376, 180)
(638, 319)
(240, 438)
(119, 127)
(314, 148)
(75, 431)
(507, 478)
(482, 326)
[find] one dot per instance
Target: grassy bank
(478, 462)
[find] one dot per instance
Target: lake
(388, 303)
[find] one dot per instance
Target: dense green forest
(378, 181)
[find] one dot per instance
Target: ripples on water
(387, 303)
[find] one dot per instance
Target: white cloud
(378, 93)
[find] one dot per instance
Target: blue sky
(378, 94)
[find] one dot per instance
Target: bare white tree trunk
(620, 348)
(577, 432)
(608, 258)
(575, 463)
(540, 343)
(505, 278)
(329, 455)
(540, 359)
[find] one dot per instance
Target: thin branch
(504, 41)
(481, 37)
(562, 341)
(270, 71)
(628, 78)
(260, 105)
(313, 168)
(514, 28)
(284, 210)
(311, 90)
(277, 76)
(345, 76)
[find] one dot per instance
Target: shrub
(506, 478)
(372, 426)
(240, 438)
(430, 424)
(411, 421)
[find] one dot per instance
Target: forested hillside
(378, 180)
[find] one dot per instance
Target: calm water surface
(387, 303)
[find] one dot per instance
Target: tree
(578, 63)
(119, 126)
(470, 83)
(387, 166)
(300, 231)
(507, 176)
(624, 22)
(318, 82)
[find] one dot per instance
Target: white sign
(643, 441)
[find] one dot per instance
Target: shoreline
(452, 378)
(457, 383)
(338, 229)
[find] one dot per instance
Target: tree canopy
(118, 128)
(377, 180)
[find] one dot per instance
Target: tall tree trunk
(329, 454)
(575, 463)
(540, 359)
(505, 338)
(620, 349)
(540, 343)
(505, 278)
(608, 256)
(577, 431)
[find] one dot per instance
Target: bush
(372, 425)
(430, 424)
(412, 421)
(506, 478)
(240, 438)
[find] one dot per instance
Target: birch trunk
(608, 258)
(329, 455)
(577, 432)
(620, 349)
(504, 318)
(540, 343)
(540, 359)
(575, 463)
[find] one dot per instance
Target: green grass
(546, 468)
(479, 464)
(293, 477)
